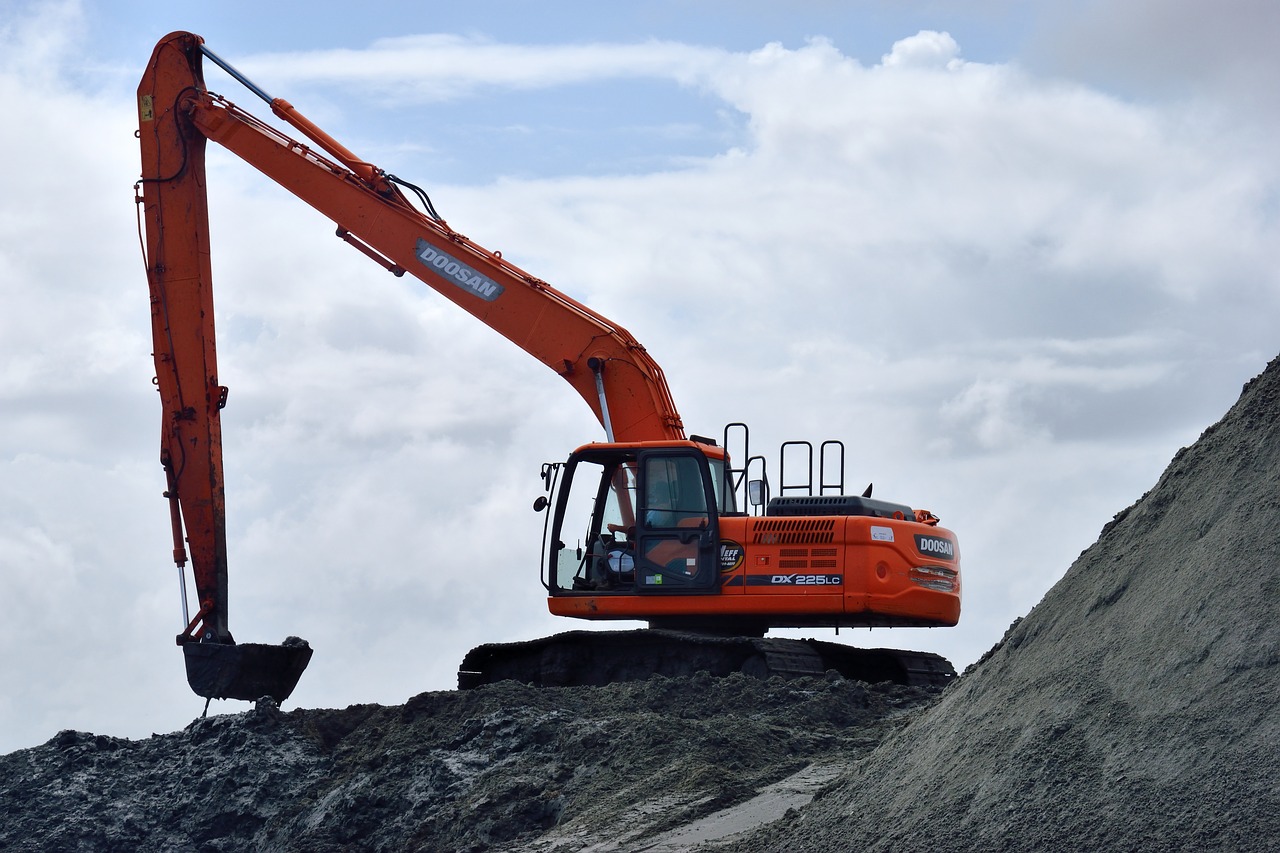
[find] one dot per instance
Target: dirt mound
(1132, 709)
(502, 767)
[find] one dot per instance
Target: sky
(1013, 254)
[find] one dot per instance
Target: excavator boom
(605, 364)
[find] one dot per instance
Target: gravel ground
(1132, 709)
(502, 767)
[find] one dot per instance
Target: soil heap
(1130, 710)
(503, 767)
(1134, 708)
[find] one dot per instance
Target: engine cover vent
(793, 531)
(826, 505)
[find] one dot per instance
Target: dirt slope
(502, 767)
(1133, 709)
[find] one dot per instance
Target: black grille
(823, 505)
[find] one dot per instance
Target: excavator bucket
(246, 671)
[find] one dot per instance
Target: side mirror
(541, 503)
(755, 492)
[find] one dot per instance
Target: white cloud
(926, 49)
(445, 66)
(989, 410)
(38, 39)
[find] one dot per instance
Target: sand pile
(1133, 709)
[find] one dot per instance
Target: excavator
(650, 524)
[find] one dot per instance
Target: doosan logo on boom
(454, 270)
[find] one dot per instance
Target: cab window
(674, 492)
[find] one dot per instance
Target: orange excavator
(649, 524)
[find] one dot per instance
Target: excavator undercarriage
(594, 658)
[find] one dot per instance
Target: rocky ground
(502, 767)
(1132, 709)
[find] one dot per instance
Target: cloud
(38, 39)
(926, 49)
(1167, 48)
(447, 66)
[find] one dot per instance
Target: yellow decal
(145, 110)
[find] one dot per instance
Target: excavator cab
(636, 519)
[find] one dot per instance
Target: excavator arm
(604, 363)
(612, 372)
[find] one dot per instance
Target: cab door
(677, 526)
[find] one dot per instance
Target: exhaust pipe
(246, 671)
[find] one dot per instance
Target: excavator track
(594, 658)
